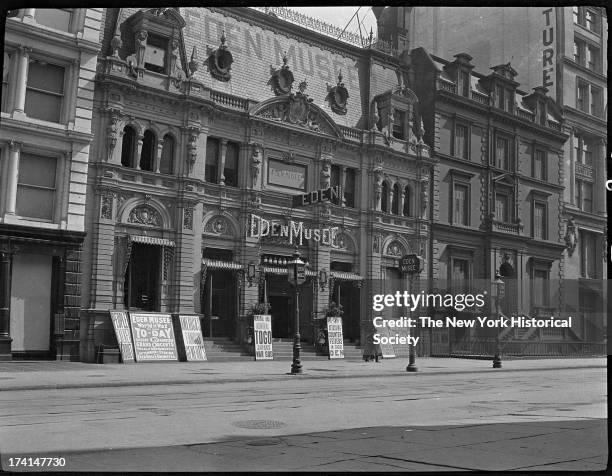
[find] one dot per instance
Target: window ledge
(18, 220)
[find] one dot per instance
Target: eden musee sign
(294, 231)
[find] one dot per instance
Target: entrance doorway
(282, 316)
(347, 295)
(142, 277)
(219, 304)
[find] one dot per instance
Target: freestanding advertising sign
(262, 329)
(121, 324)
(388, 352)
(153, 337)
(335, 337)
(192, 337)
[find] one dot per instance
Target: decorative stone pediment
(297, 109)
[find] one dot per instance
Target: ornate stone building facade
(47, 95)
(207, 122)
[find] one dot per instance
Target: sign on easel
(193, 341)
(387, 349)
(153, 337)
(121, 325)
(262, 330)
(335, 339)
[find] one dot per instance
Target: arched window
(128, 146)
(396, 198)
(407, 199)
(384, 200)
(147, 155)
(166, 165)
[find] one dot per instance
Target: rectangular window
(596, 101)
(583, 148)
(211, 169)
(509, 101)
(501, 96)
(464, 83)
(399, 122)
(539, 164)
(584, 196)
(539, 221)
(592, 21)
(349, 188)
(5, 80)
(502, 207)
(461, 204)
(460, 275)
(579, 51)
(44, 91)
(36, 187)
(58, 18)
(588, 255)
(155, 53)
(593, 55)
(461, 141)
(582, 96)
(540, 288)
(502, 153)
(230, 171)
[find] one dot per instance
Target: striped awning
(220, 264)
(150, 240)
(346, 276)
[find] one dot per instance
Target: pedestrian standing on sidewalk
(371, 351)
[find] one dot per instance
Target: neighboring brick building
(47, 96)
(207, 119)
(563, 49)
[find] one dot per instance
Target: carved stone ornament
(112, 133)
(218, 226)
(395, 249)
(337, 96)
(192, 148)
(220, 61)
(281, 79)
(376, 244)
(188, 218)
(326, 174)
(145, 215)
(106, 206)
(256, 159)
(571, 236)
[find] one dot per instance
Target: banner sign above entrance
(153, 337)
(121, 324)
(335, 339)
(294, 231)
(262, 330)
(192, 338)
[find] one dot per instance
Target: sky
(340, 16)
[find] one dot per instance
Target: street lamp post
(296, 274)
(500, 290)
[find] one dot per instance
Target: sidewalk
(28, 375)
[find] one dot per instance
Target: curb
(60, 386)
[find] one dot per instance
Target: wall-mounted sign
(192, 337)
(331, 194)
(121, 324)
(294, 231)
(410, 264)
(153, 337)
(262, 330)
(286, 175)
(335, 338)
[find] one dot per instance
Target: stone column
(13, 174)
(402, 198)
(157, 160)
(572, 169)
(600, 179)
(136, 158)
(21, 79)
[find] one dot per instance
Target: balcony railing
(447, 86)
(480, 97)
(230, 101)
(507, 227)
(530, 116)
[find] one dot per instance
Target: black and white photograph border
(304, 238)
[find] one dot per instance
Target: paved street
(543, 418)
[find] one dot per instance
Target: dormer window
(399, 124)
(464, 83)
(155, 54)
